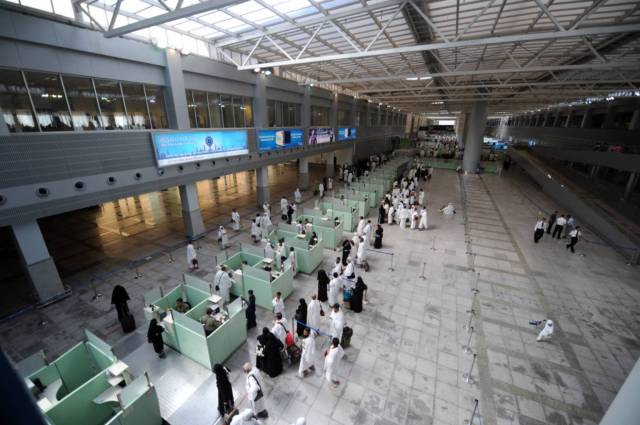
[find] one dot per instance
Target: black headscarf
(322, 276)
(119, 295)
(151, 333)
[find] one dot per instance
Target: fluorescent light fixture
(425, 78)
(412, 78)
(256, 70)
(311, 85)
(267, 72)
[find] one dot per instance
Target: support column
(569, 115)
(303, 173)
(330, 169)
(474, 137)
(610, 118)
(260, 115)
(464, 118)
(305, 109)
(193, 224)
(36, 261)
(631, 186)
(586, 119)
(634, 124)
(333, 112)
(593, 173)
(556, 119)
(177, 108)
(3, 125)
(262, 185)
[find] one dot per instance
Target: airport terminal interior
(320, 212)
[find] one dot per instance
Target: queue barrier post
(473, 413)
(422, 276)
(466, 377)
(467, 348)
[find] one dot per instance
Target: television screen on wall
(346, 133)
(321, 135)
(281, 138)
(173, 148)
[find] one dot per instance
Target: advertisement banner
(321, 135)
(346, 133)
(279, 138)
(179, 148)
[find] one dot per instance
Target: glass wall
(283, 114)
(344, 117)
(15, 104)
(37, 101)
(213, 110)
(319, 116)
(49, 101)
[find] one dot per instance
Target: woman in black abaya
(323, 284)
(225, 392)
(271, 347)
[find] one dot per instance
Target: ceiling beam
(507, 85)
(184, 12)
(515, 38)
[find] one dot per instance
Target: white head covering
(301, 421)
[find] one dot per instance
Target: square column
(191, 215)
(631, 186)
(36, 261)
(260, 116)
(305, 109)
(474, 136)
(586, 119)
(329, 164)
(262, 186)
(303, 173)
(177, 108)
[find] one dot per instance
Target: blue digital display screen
(346, 134)
(282, 138)
(321, 135)
(178, 148)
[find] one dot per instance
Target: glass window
(14, 102)
(344, 117)
(248, 112)
(271, 113)
(136, 106)
(238, 115)
(155, 101)
(48, 101)
(191, 107)
(201, 110)
(111, 105)
(214, 109)
(293, 114)
(319, 116)
(227, 111)
(82, 100)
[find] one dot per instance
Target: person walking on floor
(119, 298)
(154, 336)
(225, 391)
(250, 313)
(538, 230)
(308, 345)
(552, 221)
(268, 348)
(301, 317)
(560, 223)
(575, 236)
(571, 224)
(192, 256)
(332, 358)
(254, 385)
(323, 285)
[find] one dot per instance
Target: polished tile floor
(111, 235)
(406, 362)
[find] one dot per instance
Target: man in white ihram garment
(449, 209)
(334, 355)
(360, 227)
(392, 211)
(403, 214)
(222, 237)
(192, 255)
(284, 205)
(335, 289)
(235, 220)
(266, 224)
(366, 233)
(313, 312)
(266, 209)
(308, 345)
(361, 255)
(254, 385)
(321, 189)
(297, 196)
(423, 219)
(414, 218)
(268, 249)
(223, 282)
(337, 322)
(255, 231)
(546, 332)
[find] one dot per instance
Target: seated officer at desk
(313, 240)
(181, 306)
(210, 324)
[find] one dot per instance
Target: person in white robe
(254, 385)
(361, 225)
(403, 214)
(414, 218)
(321, 189)
(314, 316)
(390, 215)
(266, 224)
(335, 289)
(345, 174)
(294, 260)
(222, 237)
(350, 271)
(191, 256)
(297, 196)
(449, 209)
(284, 205)
(235, 220)
(223, 283)
(329, 183)
(307, 358)
(279, 328)
(266, 209)
(278, 304)
(546, 332)
(361, 255)
(337, 322)
(245, 418)
(366, 232)
(308, 227)
(269, 252)
(332, 359)
(337, 267)
(423, 219)
(299, 227)
(350, 178)
(255, 231)
(421, 197)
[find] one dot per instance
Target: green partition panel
(46, 375)
(145, 410)
(100, 359)
(253, 250)
(198, 310)
(283, 284)
(169, 300)
(258, 281)
(31, 364)
(190, 335)
(197, 283)
(234, 262)
(229, 336)
(308, 258)
(194, 295)
(78, 407)
(75, 367)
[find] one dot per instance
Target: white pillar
(191, 215)
(36, 261)
(303, 173)
(474, 137)
(260, 116)
(305, 110)
(262, 185)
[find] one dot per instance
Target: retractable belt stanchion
(467, 327)
(467, 348)
(466, 377)
(422, 276)
(473, 413)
